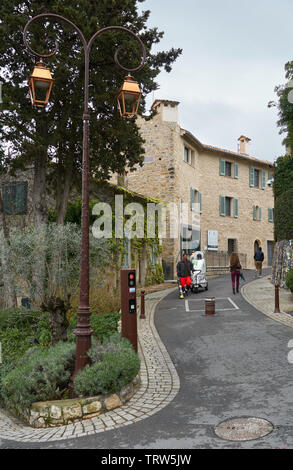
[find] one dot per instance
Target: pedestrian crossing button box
(132, 305)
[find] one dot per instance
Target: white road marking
(235, 307)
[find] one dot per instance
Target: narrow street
(230, 365)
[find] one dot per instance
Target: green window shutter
(254, 212)
(223, 206)
(200, 201)
(192, 198)
(259, 214)
(222, 167)
(236, 170)
(251, 177)
(271, 215)
(263, 179)
(235, 206)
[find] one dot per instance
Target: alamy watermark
(165, 220)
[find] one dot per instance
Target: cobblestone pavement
(260, 294)
(159, 386)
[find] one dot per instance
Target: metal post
(142, 304)
(277, 298)
(210, 306)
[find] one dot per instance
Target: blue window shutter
(259, 214)
(222, 167)
(251, 177)
(263, 179)
(200, 201)
(254, 212)
(236, 171)
(235, 207)
(222, 206)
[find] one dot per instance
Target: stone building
(229, 189)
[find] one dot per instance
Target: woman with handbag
(235, 268)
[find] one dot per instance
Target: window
(14, 197)
(271, 215)
(226, 168)
(257, 213)
(186, 154)
(257, 177)
(227, 204)
(195, 198)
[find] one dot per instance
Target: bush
(17, 327)
(284, 216)
(41, 375)
(103, 326)
(115, 364)
(289, 280)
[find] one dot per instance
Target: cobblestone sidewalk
(159, 386)
(261, 295)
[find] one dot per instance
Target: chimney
(167, 109)
(244, 141)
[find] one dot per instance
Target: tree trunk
(7, 281)
(64, 196)
(57, 309)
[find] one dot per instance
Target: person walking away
(184, 268)
(235, 269)
(258, 259)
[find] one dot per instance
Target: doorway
(270, 251)
(232, 245)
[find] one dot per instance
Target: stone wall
(282, 261)
(61, 412)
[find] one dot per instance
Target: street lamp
(128, 98)
(83, 331)
(40, 85)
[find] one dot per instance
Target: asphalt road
(231, 365)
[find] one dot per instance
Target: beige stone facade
(231, 187)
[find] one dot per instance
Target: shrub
(284, 216)
(289, 280)
(115, 364)
(103, 326)
(39, 376)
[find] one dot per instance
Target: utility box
(128, 306)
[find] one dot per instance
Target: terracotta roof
(230, 152)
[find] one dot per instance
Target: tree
(284, 174)
(284, 216)
(53, 139)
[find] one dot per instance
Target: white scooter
(198, 276)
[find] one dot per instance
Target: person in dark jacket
(184, 269)
(258, 259)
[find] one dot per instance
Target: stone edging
(281, 317)
(46, 414)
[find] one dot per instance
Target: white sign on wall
(213, 240)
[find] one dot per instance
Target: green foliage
(115, 364)
(284, 174)
(17, 327)
(53, 252)
(154, 275)
(41, 375)
(289, 280)
(103, 326)
(284, 216)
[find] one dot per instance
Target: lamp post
(41, 80)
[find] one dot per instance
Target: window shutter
(235, 170)
(254, 212)
(263, 179)
(192, 198)
(222, 206)
(251, 177)
(259, 214)
(236, 207)
(222, 167)
(200, 201)
(271, 215)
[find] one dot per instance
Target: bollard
(277, 300)
(210, 306)
(142, 309)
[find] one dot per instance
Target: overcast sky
(234, 54)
